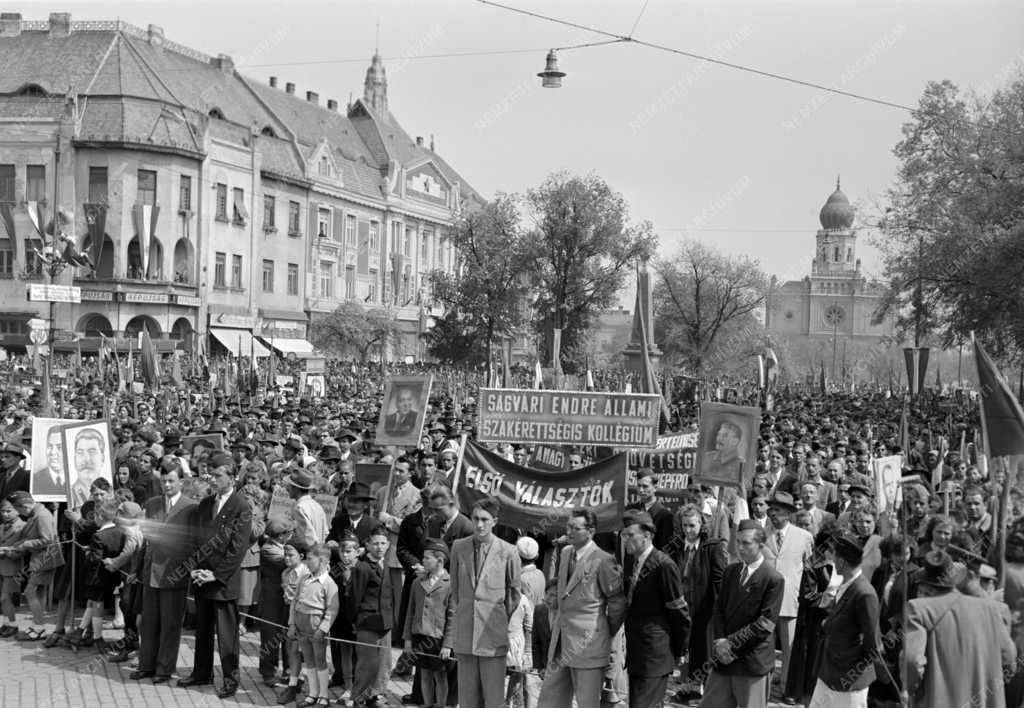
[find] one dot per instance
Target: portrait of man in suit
(48, 481)
(727, 447)
(88, 447)
(401, 416)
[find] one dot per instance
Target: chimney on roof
(332, 105)
(224, 63)
(312, 96)
(431, 142)
(156, 35)
(60, 24)
(419, 141)
(289, 87)
(10, 24)
(273, 82)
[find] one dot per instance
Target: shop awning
(239, 341)
(298, 347)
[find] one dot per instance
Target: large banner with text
(623, 420)
(532, 500)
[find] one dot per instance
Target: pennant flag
(917, 367)
(45, 393)
(145, 217)
(905, 431)
(7, 216)
(37, 215)
(543, 501)
(821, 381)
(101, 357)
(130, 367)
(150, 364)
(96, 224)
(538, 376)
(761, 379)
(1002, 417)
(771, 367)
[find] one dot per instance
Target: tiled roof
(52, 63)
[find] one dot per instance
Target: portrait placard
(88, 456)
(404, 410)
(727, 444)
(49, 468)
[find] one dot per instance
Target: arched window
(105, 265)
(155, 268)
(30, 90)
(93, 325)
(184, 261)
(269, 132)
(143, 322)
(216, 113)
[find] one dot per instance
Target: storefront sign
(152, 298)
(622, 420)
(188, 300)
(97, 296)
(54, 293)
(235, 321)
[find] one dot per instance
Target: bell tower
(836, 241)
(375, 88)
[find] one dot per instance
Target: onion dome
(837, 212)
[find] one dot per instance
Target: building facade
(836, 300)
(212, 205)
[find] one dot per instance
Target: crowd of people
(812, 587)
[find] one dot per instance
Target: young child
(343, 653)
(425, 623)
(312, 613)
(294, 571)
(129, 564)
(100, 582)
(369, 609)
(11, 565)
(520, 651)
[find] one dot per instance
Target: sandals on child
(32, 634)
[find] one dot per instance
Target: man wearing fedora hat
(309, 517)
(354, 516)
(958, 648)
(850, 633)
(787, 549)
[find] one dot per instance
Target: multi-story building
(210, 204)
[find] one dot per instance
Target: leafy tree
(485, 297)
(704, 304)
(953, 229)
(582, 251)
(354, 331)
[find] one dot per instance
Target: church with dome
(836, 299)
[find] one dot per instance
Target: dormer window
(216, 113)
(34, 90)
(325, 167)
(269, 132)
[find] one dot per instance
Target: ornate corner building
(835, 299)
(210, 204)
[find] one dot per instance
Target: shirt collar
(171, 501)
(108, 525)
(752, 567)
(642, 558)
(847, 582)
(581, 553)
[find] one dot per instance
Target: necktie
(744, 574)
(479, 557)
(571, 568)
(60, 481)
(778, 539)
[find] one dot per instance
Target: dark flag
(1001, 413)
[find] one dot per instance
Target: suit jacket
(412, 533)
(404, 503)
(658, 619)
(168, 543)
(462, 527)
(368, 599)
(395, 424)
(702, 584)
(428, 608)
(43, 484)
(850, 643)
(819, 518)
(220, 541)
(789, 560)
(341, 523)
(588, 611)
(13, 479)
(747, 616)
(481, 605)
(271, 568)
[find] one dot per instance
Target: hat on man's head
(11, 448)
(329, 453)
(782, 499)
(749, 525)
(437, 546)
(300, 478)
(219, 458)
(294, 444)
(848, 547)
(528, 548)
(937, 570)
(640, 518)
(346, 434)
(861, 483)
(279, 525)
(360, 490)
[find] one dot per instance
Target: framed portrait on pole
(404, 410)
(727, 444)
(88, 456)
(49, 467)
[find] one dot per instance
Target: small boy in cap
(272, 606)
(425, 622)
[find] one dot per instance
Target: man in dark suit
(49, 480)
(221, 525)
(657, 618)
(412, 533)
(850, 632)
(13, 475)
(403, 421)
(447, 523)
(743, 626)
(164, 578)
(354, 516)
(646, 488)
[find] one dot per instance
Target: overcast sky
(729, 157)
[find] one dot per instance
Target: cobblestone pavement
(33, 676)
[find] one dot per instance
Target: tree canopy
(352, 330)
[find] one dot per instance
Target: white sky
(717, 152)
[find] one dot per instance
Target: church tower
(375, 88)
(836, 247)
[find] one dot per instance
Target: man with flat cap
(657, 617)
(850, 634)
(958, 648)
(743, 626)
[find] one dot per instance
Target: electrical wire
(712, 60)
(642, 11)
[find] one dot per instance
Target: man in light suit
(404, 500)
(221, 524)
(589, 610)
(164, 578)
(787, 550)
(743, 626)
(485, 592)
